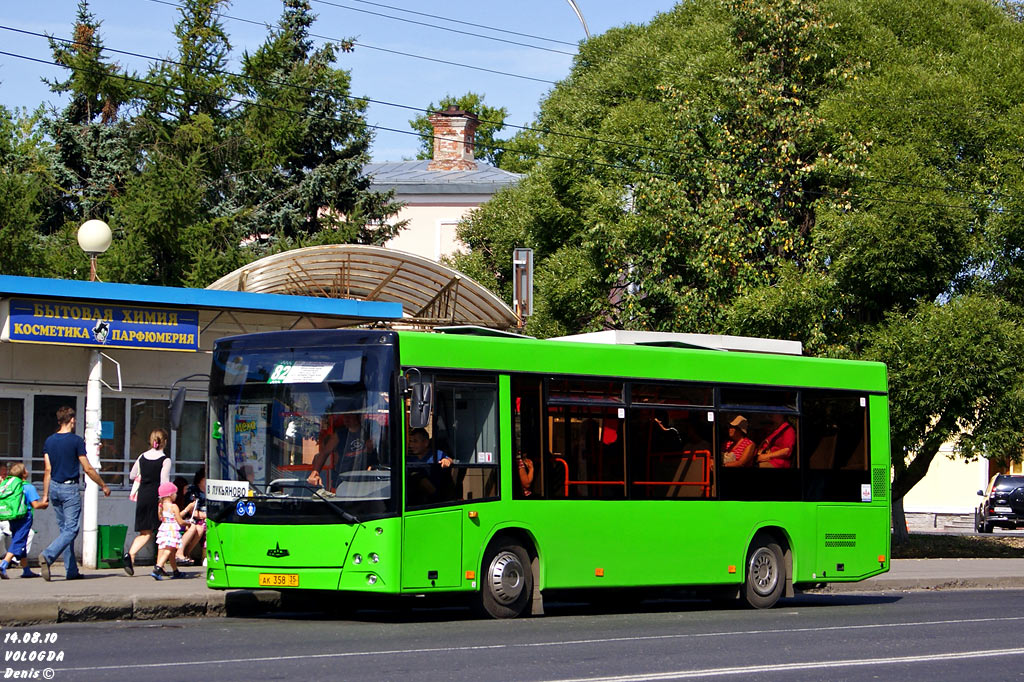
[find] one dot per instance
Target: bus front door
(432, 549)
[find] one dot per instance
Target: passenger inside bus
(525, 466)
(738, 450)
(350, 447)
(776, 450)
(428, 471)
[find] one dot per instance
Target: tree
(25, 185)
(93, 153)
(492, 122)
(843, 172)
(305, 144)
(164, 219)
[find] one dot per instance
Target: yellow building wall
(950, 487)
(431, 229)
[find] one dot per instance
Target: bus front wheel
(507, 581)
(766, 576)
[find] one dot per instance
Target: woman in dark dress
(152, 468)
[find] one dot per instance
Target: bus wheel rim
(506, 577)
(764, 572)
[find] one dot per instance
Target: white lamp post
(94, 238)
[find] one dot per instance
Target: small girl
(168, 535)
(21, 527)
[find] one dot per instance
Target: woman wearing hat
(738, 450)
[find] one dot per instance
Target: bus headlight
(357, 559)
(371, 579)
(374, 558)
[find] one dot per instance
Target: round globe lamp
(94, 238)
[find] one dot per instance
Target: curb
(911, 584)
(140, 607)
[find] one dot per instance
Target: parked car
(1003, 505)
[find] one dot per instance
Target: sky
(378, 72)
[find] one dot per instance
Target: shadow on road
(442, 608)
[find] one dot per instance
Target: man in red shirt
(776, 450)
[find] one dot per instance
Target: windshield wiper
(296, 483)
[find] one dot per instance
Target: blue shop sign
(103, 325)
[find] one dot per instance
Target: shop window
(12, 421)
(44, 423)
(115, 463)
(192, 439)
(191, 442)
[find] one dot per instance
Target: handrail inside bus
(570, 482)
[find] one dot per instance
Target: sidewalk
(108, 594)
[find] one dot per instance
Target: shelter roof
(430, 294)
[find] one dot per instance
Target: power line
(378, 49)
(296, 112)
(990, 196)
(459, 21)
(585, 138)
(445, 28)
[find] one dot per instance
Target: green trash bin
(110, 546)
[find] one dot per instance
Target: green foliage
(197, 171)
(304, 169)
(492, 122)
(962, 357)
(94, 151)
(25, 191)
(846, 173)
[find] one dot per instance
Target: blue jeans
(66, 500)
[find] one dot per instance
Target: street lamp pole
(579, 15)
(94, 238)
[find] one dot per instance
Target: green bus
(403, 462)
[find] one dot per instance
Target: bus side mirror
(419, 408)
(177, 406)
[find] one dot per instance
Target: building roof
(430, 294)
(412, 177)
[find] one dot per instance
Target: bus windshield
(308, 427)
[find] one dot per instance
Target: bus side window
(835, 433)
(671, 453)
(530, 466)
(465, 429)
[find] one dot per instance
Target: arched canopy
(430, 293)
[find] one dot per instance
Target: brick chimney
(453, 140)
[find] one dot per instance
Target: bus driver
(352, 448)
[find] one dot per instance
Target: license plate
(1003, 510)
(279, 579)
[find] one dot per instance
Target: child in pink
(168, 535)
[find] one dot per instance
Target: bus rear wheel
(766, 574)
(507, 582)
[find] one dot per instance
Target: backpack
(12, 499)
